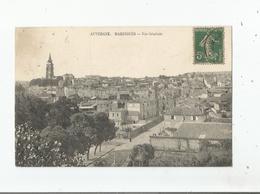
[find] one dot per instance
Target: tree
(105, 129)
(141, 154)
(19, 89)
(68, 142)
(56, 133)
(60, 112)
(32, 150)
(29, 109)
(53, 146)
(92, 130)
(82, 127)
(25, 148)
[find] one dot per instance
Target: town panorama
(108, 121)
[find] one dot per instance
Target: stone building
(183, 114)
(195, 137)
(119, 116)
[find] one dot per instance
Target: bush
(141, 154)
(34, 150)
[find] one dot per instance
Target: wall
(183, 144)
(69, 91)
(133, 106)
(149, 109)
(133, 118)
(103, 106)
(143, 128)
(146, 127)
(169, 122)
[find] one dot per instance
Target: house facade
(141, 110)
(194, 137)
(119, 116)
(183, 114)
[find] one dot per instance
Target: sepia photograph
(123, 96)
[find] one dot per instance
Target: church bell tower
(49, 68)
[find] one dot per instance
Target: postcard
(123, 96)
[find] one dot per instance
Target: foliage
(204, 158)
(41, 114)
(100, 163)
(105, 129)
(51, 147)
(32, 151)
(141, 154)
(60, 112)
(56, 134)
(29, 108)
(82, 127)
(92, 130)
(19, 89)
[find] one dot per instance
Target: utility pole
(114, 163)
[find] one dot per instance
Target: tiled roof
(225, 97)
(114, 109)
(88, 103)
(186, 111)
(205, 130)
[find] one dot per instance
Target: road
(140, 139)
(122, 144)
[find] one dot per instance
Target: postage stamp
(208, 45)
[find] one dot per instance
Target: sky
(155, 51)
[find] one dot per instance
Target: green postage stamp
(208, 45)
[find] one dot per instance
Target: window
(173, 117)
(193, 118)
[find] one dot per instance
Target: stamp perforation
(223, 45)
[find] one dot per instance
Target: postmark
(208, 45)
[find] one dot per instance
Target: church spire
(49, 68)
(49, 60)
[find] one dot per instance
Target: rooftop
(88, 103)
(117, 110)
(205, 130)
(187, 111)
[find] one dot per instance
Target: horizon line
(226, 71)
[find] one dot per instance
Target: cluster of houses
(195, 137)
(122, 112)
(190, 97)
(195, 128)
